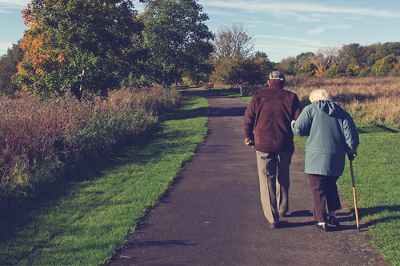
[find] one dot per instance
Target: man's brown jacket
(268, 117)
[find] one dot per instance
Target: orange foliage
(27, 16)
(320, 70)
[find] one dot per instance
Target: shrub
(353, 69)
(395, 72)
(365, 72)
(382, 67)
(44, 141)
(333, 72)
(308, 69)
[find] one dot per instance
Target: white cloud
(297, 41)
(13, 3)
(322, 29)
(308, 19)
(316, 31)
(309, 8)
(342, 27)
(10, 6)
(4, 47)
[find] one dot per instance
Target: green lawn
(377, 182)
(85, 222)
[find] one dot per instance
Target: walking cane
(354, 192)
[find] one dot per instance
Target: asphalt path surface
(213, 213)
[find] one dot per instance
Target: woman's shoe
(322, 226)
(333, 221)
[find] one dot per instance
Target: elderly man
(267, 129)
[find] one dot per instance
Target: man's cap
(277, 75)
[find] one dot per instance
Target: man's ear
(268, 83)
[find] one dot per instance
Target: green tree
(308, 69)
(353, 50)
(303, 58)
(262, 67)
(8, 67)
(365, 72)
(333, 71)
(233, 42)
(383, 67)
(177, 40)
(395, 72)
(353, 69)
(234, 61)
(82, 46)
(288, 66)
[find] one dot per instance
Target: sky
(281, 29)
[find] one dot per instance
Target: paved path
(213, 215)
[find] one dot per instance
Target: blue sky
(279, 28)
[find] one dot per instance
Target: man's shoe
(333, 221)
(273, 225)
(282, 214)
(322, 226)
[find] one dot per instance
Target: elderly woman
(331, 134)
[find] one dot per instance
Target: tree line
(91, 47)
(349, 60)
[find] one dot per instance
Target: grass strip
(377, 182)
(85, 222)
(376, 174)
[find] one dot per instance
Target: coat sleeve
(303, 122)
(297, 108)
(350, 133)
(249, 119)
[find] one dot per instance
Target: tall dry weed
(368, 100)
(38, 135)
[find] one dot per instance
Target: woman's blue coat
(330, 132)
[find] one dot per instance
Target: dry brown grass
(34, 134)
(368, 100)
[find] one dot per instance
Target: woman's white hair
(318, 95)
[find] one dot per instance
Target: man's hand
(249, 142)
(351, 154)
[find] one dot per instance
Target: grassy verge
(376, 174)
(376, 171)
(85, 222)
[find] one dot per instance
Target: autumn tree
(82, 46)
(176, 39)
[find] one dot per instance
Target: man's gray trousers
(273, 172)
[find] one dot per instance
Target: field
(371, 101)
